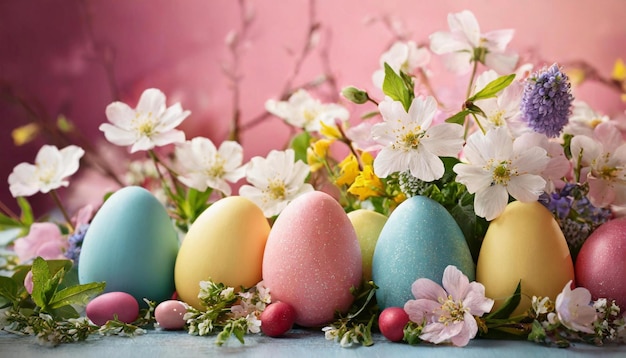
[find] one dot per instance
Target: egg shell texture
(132, 245)
(105, 307)
(225, 244)
(367, 224)
(169, 314)
(419, 240)
(524, 243)
(313, 258)
(601, 262)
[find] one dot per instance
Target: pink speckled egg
(108, 305)
(601, 262)
(169, 314)
(312, 258)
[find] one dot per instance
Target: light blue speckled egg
(132, 245)
(419, 240)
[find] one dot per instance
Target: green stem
(478, 123)
(471, 82)
(467, 95)
(55, 197)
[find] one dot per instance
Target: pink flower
(28, 282)
(574, 309)
(44, 239)
(602, 162)
(448, 312)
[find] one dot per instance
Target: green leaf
(41, 281)
(8, 289)
(509, 305)
(27, 212)
(47, 275)
(492, 88)
(395, 87)
(369, 115)
(300, 143)
(458, 118)
(76, 295)
(6, 222)
(64, 312)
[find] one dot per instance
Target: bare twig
(105, 54)
(313, 29)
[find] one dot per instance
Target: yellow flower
(25, 134)
(367, 184)
(619, 70)
(330, 131)
(316, 154)
(349, 169)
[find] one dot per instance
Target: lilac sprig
(76, 243)
(547, 101)
(576, 216)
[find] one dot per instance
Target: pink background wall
(50, 51)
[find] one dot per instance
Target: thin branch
(105, 54)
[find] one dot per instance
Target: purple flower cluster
(576, 216)
(547, 100)
(76, 243)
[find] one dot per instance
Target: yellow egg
(225, 244)
(367, 224)
(524, 243)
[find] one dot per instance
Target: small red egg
(169, 314)
(391, 323)
(601, 262)
(108, 305)
(277, 319)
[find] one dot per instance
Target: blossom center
(501, 172)
(45, 174)
(276, 189)
(497, 118)
(146, 125)
(217, 169)
(411, 139)
(451, 311)
(309, 115)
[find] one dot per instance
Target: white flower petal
(152, 101)
(490, 202)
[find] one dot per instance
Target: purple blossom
(547, 100)
(76, 243)
(576, 216)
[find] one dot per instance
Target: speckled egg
(419, 240)
(169, 314)
(131, 244)
(225, 244)
(524, 243)
(367, 224)
(313, 258)
(601, 262)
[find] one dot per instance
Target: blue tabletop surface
(298, 343)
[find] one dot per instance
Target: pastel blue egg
(419, 240)
(132, 245)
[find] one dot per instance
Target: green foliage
(398, 87)
(356, 325)
(492, 88)
(300, 143)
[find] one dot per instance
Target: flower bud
(355, 95)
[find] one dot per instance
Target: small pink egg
(108, 305)
(601, 262)
(169, 314)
